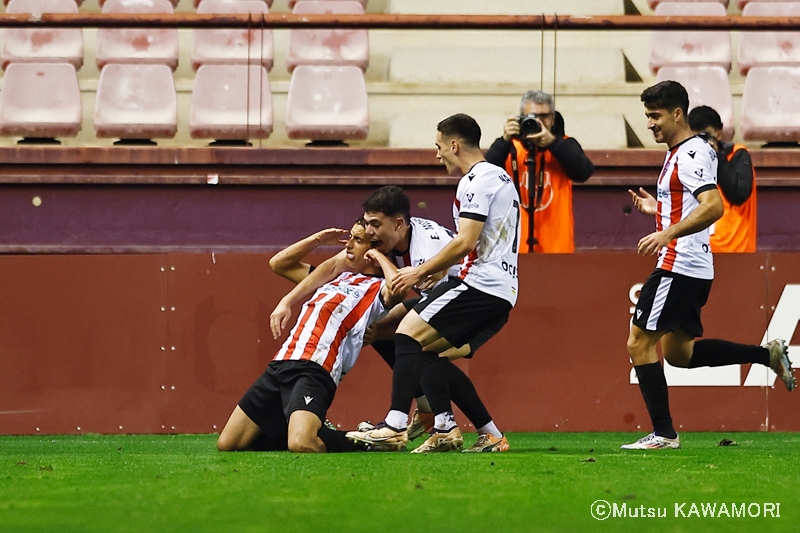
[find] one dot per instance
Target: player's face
(446, 153)
(662, 123)
(383, 231)
(357, 245)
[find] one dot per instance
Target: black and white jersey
(487, 194)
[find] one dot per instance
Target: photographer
(736, 179)
(543, 163)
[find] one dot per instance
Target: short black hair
(391, 200)
(702, 117)
(462, 126)
(668, 95)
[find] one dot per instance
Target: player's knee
(302, 443)
(226, 444)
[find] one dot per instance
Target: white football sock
(397, 419)
(445, 422)
(491, 429)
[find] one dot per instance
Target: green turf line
(547, 482)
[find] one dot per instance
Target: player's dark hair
(702, 117)
(463, 127)
(391, 200)
(360, 221)
(668, 95)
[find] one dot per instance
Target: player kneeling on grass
(285, 408)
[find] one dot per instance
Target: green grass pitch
(548, 482)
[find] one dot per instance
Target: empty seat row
(160, 46)
(770, 101)
(228, 102)
(756, 48)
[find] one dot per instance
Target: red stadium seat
(327, 104)
(706, 86)
(135, 102)
(42, 45)
(769, 49)
(690, 48)
(221, 98)
(328, 47)
(293, 2)
(230, 47)
(40, 100)
(140, 45)
(771, 104)
(652, 4)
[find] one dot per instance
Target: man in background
(736, 178)
(543, 162)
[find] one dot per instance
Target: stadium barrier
(167, 343)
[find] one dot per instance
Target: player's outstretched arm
(289, 264)
(464, 242)
(708, 212)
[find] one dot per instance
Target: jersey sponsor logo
(308, 399)
(348, 290)
(470, 196)
(783, 325)
(699, 173)
(713, 155)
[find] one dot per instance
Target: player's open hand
(644, 201)
(405, 279)
(279, 318)
(429, 282)
(332, 236)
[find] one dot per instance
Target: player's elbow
(275, 263)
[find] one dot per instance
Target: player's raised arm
(391, 296)
(289, 264)
(283, 311)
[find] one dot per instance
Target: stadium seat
(226, 47)
(103, 3)
(42, 45)
(328, 47)
(769, 49)
(140, 45)
(771, 104)
(690, 48)
(268, 2)
(741, 3)
(40, 100)
(507, 7)
(220, 103)
(706, 86)
(293, 2)
(135, 102)
(652, 4)
(327, 104)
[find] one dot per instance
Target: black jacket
(566, 151)
(734, 177)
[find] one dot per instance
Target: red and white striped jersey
(487, 194)
(330, 327)
(690, 168)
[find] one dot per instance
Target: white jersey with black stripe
(487, 194)
(427, 239)
(690, 168)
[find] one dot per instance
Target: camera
(528, 125)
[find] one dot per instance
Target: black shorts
(670, 301)
(462, 314)
(286, 387)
